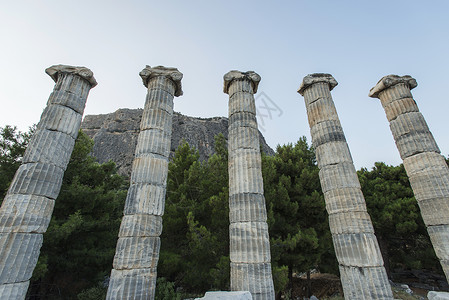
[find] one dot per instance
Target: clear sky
(357, 42)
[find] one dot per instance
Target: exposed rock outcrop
(115, 135)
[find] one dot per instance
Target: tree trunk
(309, 285)
(383, 245)
(290, 279)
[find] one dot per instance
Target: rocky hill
(115, 135)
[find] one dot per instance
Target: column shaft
(362, 272)
(28, 205)
(426, 168)
(249, 240)
(137, 253)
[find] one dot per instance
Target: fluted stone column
(137, 253)
(426, 168)
(27, 208)
(249, 240)
(362, 272)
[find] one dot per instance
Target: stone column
(249, 240)
(137, 252)
(426, 168)
(27, 208)
(362, 272)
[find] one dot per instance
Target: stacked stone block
(137, 252)
(28, 205)
(426, 168)
(248, 230)
(361, 267)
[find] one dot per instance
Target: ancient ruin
(426, 168)
(361, 267)
(27, 208)
(134, 268)
(248, 229)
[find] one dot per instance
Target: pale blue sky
(358, 42)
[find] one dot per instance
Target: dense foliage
(399, 228)
(76, 257)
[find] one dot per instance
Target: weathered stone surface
(426, 169)
(344, 200)
(150, 168)
(115, 135)
(49, 147)
(389, 81)
(247, 207)
(245, 172)
(249, 240)
(332, 153)
(137, 253)
(153, 141)
(353, 236)
(138, 284)
(57, 70)
(339, 176)
(164, 78)
(350, 222)
(27, 208)
(37, 179)
(18, 256)
(145, 198)
(255, 278)
(432, 295)
(357, 250)
(226, 296)
(62, 119)
(241, 102)
(242, 82)
(16, 290)
(139, 243)
(317, 80)
(140, 226)
(365, 283)
(327, 131)
(25, 213)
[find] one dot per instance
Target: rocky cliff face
(115, 135)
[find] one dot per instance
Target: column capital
(391, 80)
(172, 73)
(83, 72)
(238, 75)
(315, 78)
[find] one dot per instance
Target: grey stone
(49, 147)
(432, 295)
(226, 296)
(247, 207)
(25, 213)
(62, 119)
(427, 170)
(249, 239)
(249, 242)
(139, 284)
(361, 266)
(115, 135)
(137, 252)
(16, 290)
(27, 208)
(145, 198)
(18, 256)
(37, 179)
